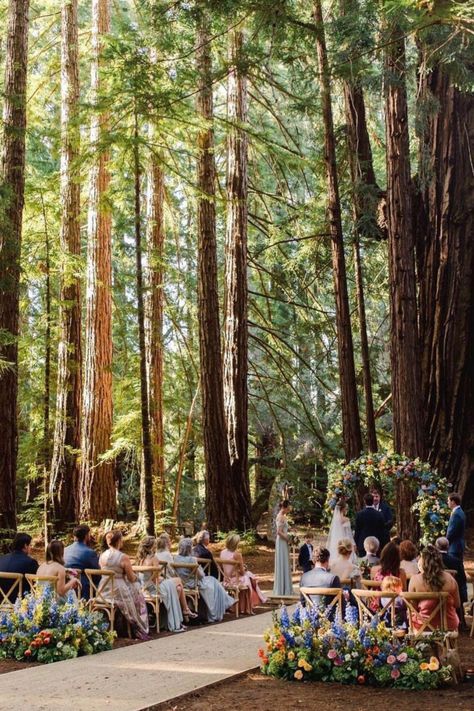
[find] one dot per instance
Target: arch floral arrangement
(385, 469)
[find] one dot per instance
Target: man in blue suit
(80, 555)
(456, 527)
(305, 554)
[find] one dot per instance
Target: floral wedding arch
(384, 469)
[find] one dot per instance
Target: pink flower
(402, 657)
(338, 662)
(395, 673)
(332, 654)
(391, 659)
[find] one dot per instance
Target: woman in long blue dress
(283, 584)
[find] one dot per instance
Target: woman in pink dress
(239, 575)
(433, 578)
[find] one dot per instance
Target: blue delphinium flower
(284, 618)
(352, 615)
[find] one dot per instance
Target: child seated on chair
(394, 585)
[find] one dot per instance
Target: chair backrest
(11, 589)
(384, 603)
(433, 621)
(331, 598)
(371, 584)
(346, 582)
(101, 585)
(192, 573)
(225, 576)
(205, 564)
(38, 581)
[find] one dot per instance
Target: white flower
(59, 645)
(347, 657)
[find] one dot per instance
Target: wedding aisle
(137, 677)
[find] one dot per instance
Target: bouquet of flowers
(45, 629)
(311, 646)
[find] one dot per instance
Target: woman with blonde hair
(239, 575)
(171, 590)
(54, 567)
(434, 578)
(343, 565)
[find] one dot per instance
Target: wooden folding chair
(205, 564)
(10, 590)
(313, 598)
(234, 588)
(38, 581)
(418, 627)
(151, 598)
(191, 575)
(102, 593)
(367, 613)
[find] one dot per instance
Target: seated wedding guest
(452, 563)
(163, 553)
(433, 578)
(394, 585)
(80, 555)
(320, 576)
(213, 594)
(409, 558)
(389, 565)
(239, 575)
(128, 596)
(343, 566)
(201, 550)
(171, 590)
(371, 547)
(18, 561)
(305, 553)
(54, 566)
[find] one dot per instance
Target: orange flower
(434, 664)
(298, 674)
(424, 666)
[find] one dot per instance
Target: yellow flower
(298, 674)
(424, 666)
(307, 667)
(291, 656)
(434, 664)
(301, 662)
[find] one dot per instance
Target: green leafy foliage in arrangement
(309, 646)
(384, 469)
(44, 629)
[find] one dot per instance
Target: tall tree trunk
(351, 432)
(147, 511)
(405, 353)
(236, 328)
(220, 509)
(154, 306)
(12, 186)
(446, 274)
(97, 490)
(64, 479)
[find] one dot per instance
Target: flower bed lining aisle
(309, 646)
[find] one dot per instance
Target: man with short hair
(305, 553)
(383, 507)
(320, 576)
(80, 555)
(369, 522)
(18, 561)
(456, 526)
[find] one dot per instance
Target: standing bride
(283, 584)
(340, 529)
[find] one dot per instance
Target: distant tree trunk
(446, 274)
(267, 464)
(236, 329)
(405, 352)
(64, 479)
(147, 511)
(154, 306)
(351, 432)
(97, 490)
(220, 508)
(12, 186)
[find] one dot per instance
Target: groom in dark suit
(369, 522)
(456, 527)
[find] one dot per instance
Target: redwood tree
(64, 478)
(12, 186)
(351, 432)
(97, 489)
(236, 328)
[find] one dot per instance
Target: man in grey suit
(320, 576)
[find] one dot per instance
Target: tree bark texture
(351, 431)
(12, 186)
(147, 511)
(154, 307)
(220, 508)
(64, 479)
(97, 490)
(405, 353)
(446, 274)
(236, 327)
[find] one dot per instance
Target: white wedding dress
(340, 528)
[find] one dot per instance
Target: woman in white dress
(283, 583)
(340, 529)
